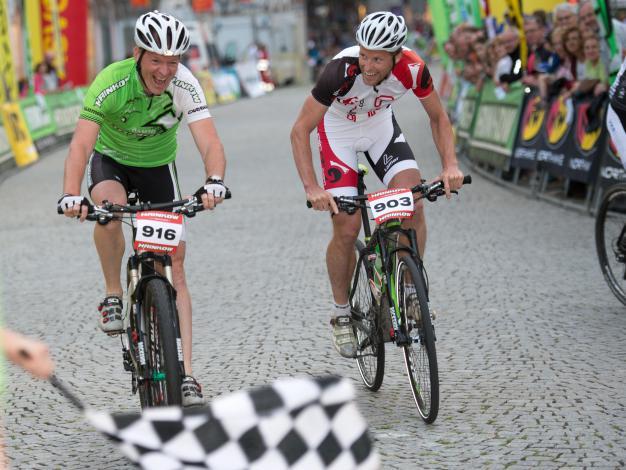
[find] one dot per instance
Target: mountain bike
(151, 344)
(389, 291)
(611, 239)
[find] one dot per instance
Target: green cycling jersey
(137, 129)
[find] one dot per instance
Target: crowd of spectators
(566, 53)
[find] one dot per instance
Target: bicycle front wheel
(611, 239)
(370, 358)
(420, 356)
(163, 370)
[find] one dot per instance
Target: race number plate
(158, 231)
(391, 204)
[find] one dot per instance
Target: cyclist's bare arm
(443, 137)
(212, 152)
(81, 146)
(310, 115)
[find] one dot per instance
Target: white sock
(340, 310)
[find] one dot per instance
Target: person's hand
(73, 206)
(452, 179)
(31, 355)
(321, 200)
(215, 192)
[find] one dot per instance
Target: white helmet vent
(161, 33)
(382, 31)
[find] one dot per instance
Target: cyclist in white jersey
(351, 107)
(616, 113)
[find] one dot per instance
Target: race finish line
(295, 423)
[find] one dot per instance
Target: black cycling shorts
(157, 184)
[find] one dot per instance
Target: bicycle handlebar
(427, 191)
(109, 211)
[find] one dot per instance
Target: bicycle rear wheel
(163, 370)
(370, 358)
(611, 239)
(420, 356)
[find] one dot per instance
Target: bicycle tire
(610, 238)
(420, 356)
(370, 358)
(159, 314)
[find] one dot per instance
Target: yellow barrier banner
(32, 12)
(22, 145)
(8, 84)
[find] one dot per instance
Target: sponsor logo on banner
(532, 120)
(586, 141)
(17, 133)
(559, 120)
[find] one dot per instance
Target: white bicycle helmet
(382, 31)
(161, 33)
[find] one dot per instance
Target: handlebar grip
(467, 179)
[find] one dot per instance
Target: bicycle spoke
(420, 356)
(370, 347)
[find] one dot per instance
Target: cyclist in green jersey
(126, 140)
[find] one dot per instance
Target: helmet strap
(138, 67)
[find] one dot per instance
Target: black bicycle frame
(146, 260)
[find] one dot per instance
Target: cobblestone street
(531, 342)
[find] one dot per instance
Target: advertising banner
(39, 121)
(557, 127)
(556, 137)
(65, 108)
(530, 132)
(206, 82)
(5, 147)
(441, 25)
(497, 119)
(250, 78)
(73, 17)
(51, 26)
(587, 145)
(467, 112)
(226, 85)
(32, 21)
(17, 134)
(8, 84)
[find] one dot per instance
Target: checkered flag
(304, 424)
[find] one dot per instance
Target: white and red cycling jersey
(360, 118)
(341, 85)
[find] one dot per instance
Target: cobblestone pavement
(531, 343)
